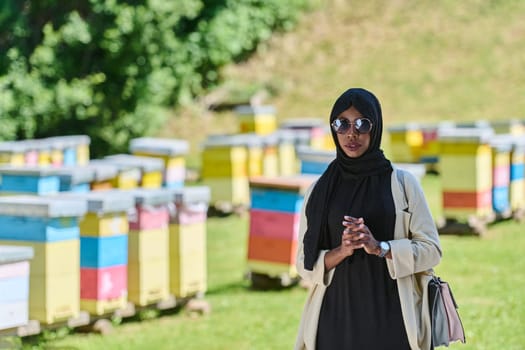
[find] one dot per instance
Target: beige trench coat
(415, 251)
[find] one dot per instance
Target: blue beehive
(29, 180)
(39, 219)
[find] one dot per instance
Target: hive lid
(76, 174)
(150, 196)
(12, 254)
(480, 135)
(161, 146)
(254, 110)
(102, 170)
(299, 183)
(110, 201)
(309, 153)
(40, 206)
(191, 194)
(146, 164)
(12, 147)
(28, 170)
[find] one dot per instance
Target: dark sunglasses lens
(363, 125)
(341, 125)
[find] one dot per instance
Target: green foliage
(108, 68)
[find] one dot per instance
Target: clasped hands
(357, 235)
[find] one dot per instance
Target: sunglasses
(361, 125)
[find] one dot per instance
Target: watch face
(384, 246)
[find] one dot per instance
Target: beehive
(314, 161)
(274, 223)
(29, 180)
(151, 168)
(104, 250)
(466, 172)
(257, 119)
(148, 250)
(172, 153)
(225, 169)
(50, 227)
(14, 284)
(187, 242)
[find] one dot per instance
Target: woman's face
(353, 143)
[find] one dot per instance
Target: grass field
(427, 61)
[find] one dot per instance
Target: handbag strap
(401, 177)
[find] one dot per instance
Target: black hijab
(372, 162)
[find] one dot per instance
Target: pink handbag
(446, 324)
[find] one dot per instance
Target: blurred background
(175, 140)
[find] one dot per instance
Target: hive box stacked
(148, 265)
(287, 158)
(69, 150)
(75, 178)
(104, 174)
(29, 180)
(127, 176)
(224, 170)
(274, 223)
(151, 169)
(314, 161)
(50, 227)
(171, 151)
(270, 156)
(104, 251)
(406, 142)
(12, 153)
(258, 119)
(14, 284)
(466, 173)
(187, 242)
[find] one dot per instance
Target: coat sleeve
(416, 247)
(318, 275)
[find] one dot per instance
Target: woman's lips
(353, 146)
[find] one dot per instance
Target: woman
(367, 239)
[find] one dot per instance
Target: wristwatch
(384, 249)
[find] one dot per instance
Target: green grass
(486, 275)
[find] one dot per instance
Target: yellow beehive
(225, 169)
(466, 172)
(170, 151)
(104, 224)
(287, 157)
(405, 143)
(12, 153)
(258, 119)
(188, 259)
(270, 158)
(148, 266)
(151, 168)
(224, 156)
(54, 280)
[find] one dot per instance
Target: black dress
(361, 308)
